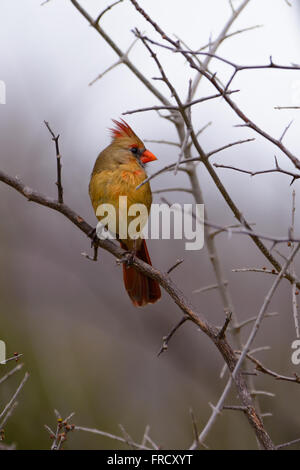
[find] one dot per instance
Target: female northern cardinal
(118, 170)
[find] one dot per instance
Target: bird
(118, 170)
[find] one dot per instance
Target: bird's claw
(94, 238)
(92, 234)
(127, 259)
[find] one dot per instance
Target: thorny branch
(212, 79)
(261, 368)
(106, 10)
(64, 427)
(184, 106)
(167, 338)
(58, 163)
(10, 406)
(181, 124)
(218, 408)
(277, 169)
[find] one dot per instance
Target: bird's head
(124, 138)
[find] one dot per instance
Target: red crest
(121, 129)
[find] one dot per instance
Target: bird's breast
(107, 186)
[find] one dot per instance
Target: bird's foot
(127, 259)
(94, 244)
(94, 238)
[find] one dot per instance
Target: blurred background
(87, 349)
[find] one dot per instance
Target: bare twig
(13, 398)
(287, 107)
(234, 408)
(167, 190)
(106, 10)
(167, 338)
(122, 60)
(209, 154)
(254, 393)
(146, 433)
(8, 414)
(15, 358)
(127, 437)
(182, 150)
(58, 163)
(227, 228)
(256, 350)
(277, 169)
(285, 131)
(230, 35)
(152, 443)
(208, 288)
(257, 270)
(165, 142)
(222, 332)
(237, 67)
(287, 444)
(239, 326)
(175, 108)
(261, 368)
(178, 263)
(195, 431)
(10, 373)
(63, 427)
(110, 436)
(214, 45)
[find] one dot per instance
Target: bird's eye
(134, 150)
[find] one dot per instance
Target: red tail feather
(141, 289)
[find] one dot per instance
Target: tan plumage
(118, 170)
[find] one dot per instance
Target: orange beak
(147, 157)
